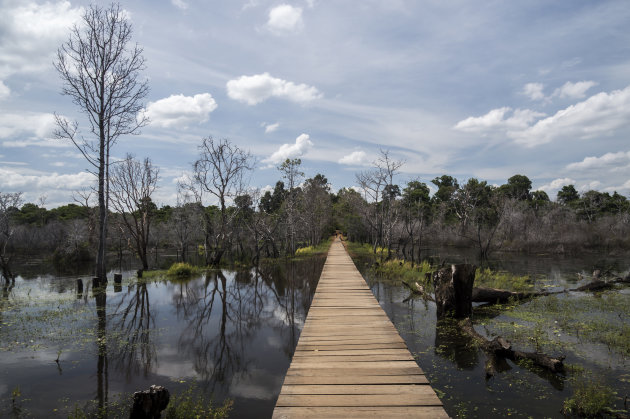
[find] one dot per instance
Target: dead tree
(453, 296)
(101, 73)
(8, 202)
(219, 171)
(132, 185)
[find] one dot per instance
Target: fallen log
(502, 348)
(495, 295)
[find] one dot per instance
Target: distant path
(350, 360)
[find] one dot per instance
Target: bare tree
(8, 202)
(379, 190)
(220, 171)
(132, 184)
(101, 73)
(290, 169)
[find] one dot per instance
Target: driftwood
(495, 295)
(502, 348)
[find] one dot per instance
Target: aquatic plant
(181, 270)
(191, 404)
(503, 280)
(590, 398)
(313, 250)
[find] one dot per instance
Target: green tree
(517, 187)
(567, 195)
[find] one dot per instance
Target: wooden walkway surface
(350, 361)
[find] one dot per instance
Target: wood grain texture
(350, 361)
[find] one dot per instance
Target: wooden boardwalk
(350, 360)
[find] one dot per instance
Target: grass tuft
(182, 270)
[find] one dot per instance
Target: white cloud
(180, 3)
(534, 91)
(573, 90)
(269, 128)
(356, 158)
(490, 120)
(37, 124)
(496, 119)
(260, 87)
(5, 92)
(180, 110)
(607, 161)
(588, 186)
(555, 185)
(285, 19)
(290, 151)
(13, 180)
(598, 115)
(32, 32)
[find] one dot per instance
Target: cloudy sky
(482, 89)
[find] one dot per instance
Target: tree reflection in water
(223, 314)
(134, 323)
(102, 381)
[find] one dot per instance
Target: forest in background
(396, 219)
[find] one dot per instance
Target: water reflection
(133, 323)
(232, 332)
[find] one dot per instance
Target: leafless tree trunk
(377, 185)
(8, 201)
(291, 172)
(220, 171)
(101, 73)
(132, 184)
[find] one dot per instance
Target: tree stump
(149, 404)
(453, 290)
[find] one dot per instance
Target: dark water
(231, 333)
(456, 368)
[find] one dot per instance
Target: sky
(484, 89)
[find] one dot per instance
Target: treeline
(246, 224)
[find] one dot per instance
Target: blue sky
(471, 89)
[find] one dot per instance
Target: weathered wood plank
(429, 399)
(350, 361)
(356, 379)
(377, 389)
(394, 412)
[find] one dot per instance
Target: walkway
(350, 360)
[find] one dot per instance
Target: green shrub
(590, 398)
(191, 404)
(181, 270)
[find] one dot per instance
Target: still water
(231, 333)
(456, 368)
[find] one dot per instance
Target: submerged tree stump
(453, 290)
(149, 404)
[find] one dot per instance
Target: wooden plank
(394, 412)
(355, 352)
(378, 389)
(356, 379)
(350, 361)
(429, 399)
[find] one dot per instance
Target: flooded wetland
(227, 334)
(230, 336)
